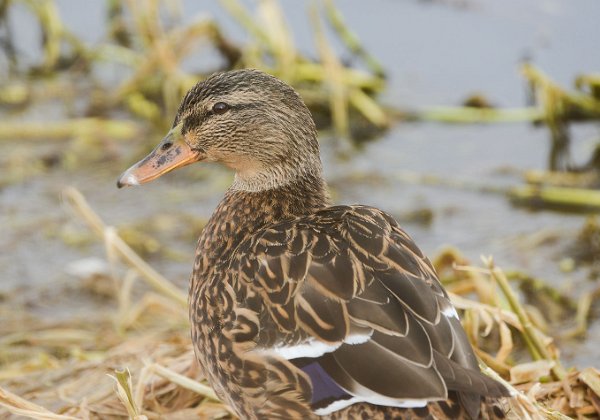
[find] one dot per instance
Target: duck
(300, 308)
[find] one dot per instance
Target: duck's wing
(354, 303)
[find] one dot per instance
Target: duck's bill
(172, 153)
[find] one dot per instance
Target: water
(436, 54)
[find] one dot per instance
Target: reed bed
(149, 41)
(137, 361)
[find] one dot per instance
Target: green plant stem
(469, 115)
(82, 127)
(350, 39)
(575, 198)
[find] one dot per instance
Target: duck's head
(246, 119)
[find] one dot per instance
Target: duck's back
(336, 313)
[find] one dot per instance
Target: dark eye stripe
(195, 119)
(246, 106)
(192, 121)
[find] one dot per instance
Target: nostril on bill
(166, 146)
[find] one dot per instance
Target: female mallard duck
(300, 309)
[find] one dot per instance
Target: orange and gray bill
(171, 153)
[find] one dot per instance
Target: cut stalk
(155, 279)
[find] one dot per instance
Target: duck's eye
(220, 108)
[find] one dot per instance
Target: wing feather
(349, 280)
(358, 369)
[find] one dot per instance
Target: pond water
(435, 53)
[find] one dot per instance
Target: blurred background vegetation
(474, 122)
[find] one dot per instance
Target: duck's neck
(242, 213)
(293, 170)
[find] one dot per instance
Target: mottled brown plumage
(300, 309)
